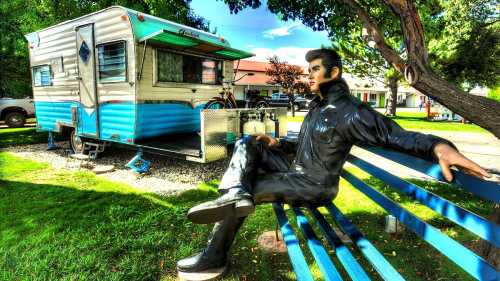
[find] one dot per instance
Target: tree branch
(413, 32)
(387, 52)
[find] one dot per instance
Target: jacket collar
(331, 91)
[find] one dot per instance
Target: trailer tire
(76, 143)
(215, 104)
(15, 119)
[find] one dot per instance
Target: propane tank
(249, 126)
(270, 125)
(260, 127)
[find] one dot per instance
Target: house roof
(257, 66)
(259, 78)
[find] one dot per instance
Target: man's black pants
(266, 173)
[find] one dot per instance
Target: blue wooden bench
(470, 262)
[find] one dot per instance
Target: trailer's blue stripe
(320, 255)
(295, 254)
(345, 257)
(484, 189)
(470, 221)
(378, 261)
(468, 260)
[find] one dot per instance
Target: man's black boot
(215, 253)
(235, 203)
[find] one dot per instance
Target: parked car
(277, 100)
(15, 111)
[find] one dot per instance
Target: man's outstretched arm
(367, 126)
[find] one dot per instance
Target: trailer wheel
(15, 119)
(76, 143)
(214, 104)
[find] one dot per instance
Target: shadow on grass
(406, 252)
(21, 136)
(50, 232)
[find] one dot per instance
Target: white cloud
(281, 31)
(292, 55)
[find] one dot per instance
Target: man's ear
(335, 73)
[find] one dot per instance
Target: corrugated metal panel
(166, 118)
(117, 121)
(49, 113)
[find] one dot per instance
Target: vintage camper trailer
(121, 76)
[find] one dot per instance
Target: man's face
(317, 75)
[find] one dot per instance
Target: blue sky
(261, 32)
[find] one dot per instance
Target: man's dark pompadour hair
(329, 59)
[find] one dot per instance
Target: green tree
(400, 31)
(18, 18)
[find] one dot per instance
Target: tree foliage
(18, 18)
(403, 31)
(283, 74)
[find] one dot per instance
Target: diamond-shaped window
(84, 52)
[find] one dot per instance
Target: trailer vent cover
(84, 52)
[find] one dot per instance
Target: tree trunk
(481, 110)
(391, 107)
(488, 251)
(291, 100)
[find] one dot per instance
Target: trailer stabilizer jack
(139, 164)
(51, 144)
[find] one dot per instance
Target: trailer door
(88, 117)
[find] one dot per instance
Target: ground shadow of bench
(470, 262)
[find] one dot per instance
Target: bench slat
(485, 189)
(345, 257)
(320, 255)
(295, 254)
(468, 260)
(468, 220)
(378, 261)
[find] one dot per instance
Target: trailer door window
(112, 62)
(174, 67)
(42, 76)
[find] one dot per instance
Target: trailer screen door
(85, 52)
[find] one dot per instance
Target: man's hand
(448, 156)
(267, 139)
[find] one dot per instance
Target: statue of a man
(335, 122)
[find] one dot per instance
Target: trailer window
(112, 62)
(42, 76)
(174, 67)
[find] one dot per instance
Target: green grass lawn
(57, 225)
(417, 121)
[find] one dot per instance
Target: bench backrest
(473, 264)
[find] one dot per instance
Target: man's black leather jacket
(336, 122)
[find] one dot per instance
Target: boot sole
(241, 208)
(205, 275)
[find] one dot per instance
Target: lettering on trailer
(188, 33)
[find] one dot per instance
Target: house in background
(377, 93)
(372, 91)
(257, 82)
